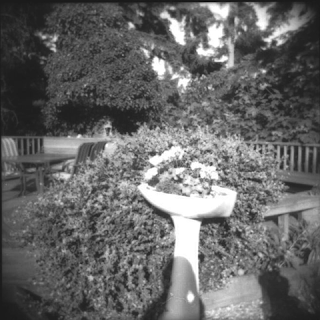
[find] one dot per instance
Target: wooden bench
(296, 163)
(292, 203)
(310, 179)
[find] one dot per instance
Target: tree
(241, 33)
(99, 69)
(152, 31)
(231, 31)
(272, 94)
(279, 104)
(22, 79)
(197, 20)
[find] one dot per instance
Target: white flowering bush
(175, 171)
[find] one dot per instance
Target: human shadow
(177, 301)
(279, 305)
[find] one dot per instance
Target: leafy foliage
(301, 253)
(105, 252)
(303, 245)
(277, 103)
(241, 36)
(271, 94)
(22, 78)
(98, 68)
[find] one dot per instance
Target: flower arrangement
(175, 172)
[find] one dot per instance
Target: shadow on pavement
(282, 305)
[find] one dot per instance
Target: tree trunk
(231, 52)
(232, 22)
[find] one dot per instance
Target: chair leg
(23, 185)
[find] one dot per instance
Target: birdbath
(187, 213)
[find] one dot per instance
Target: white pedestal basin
(220, 206)
(183, 301)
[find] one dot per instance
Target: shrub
(275, 100)
(299, 259)
(98, 70)
(303, 245)
(105, 252)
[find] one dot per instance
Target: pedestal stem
(183, 301)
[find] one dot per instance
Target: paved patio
(18, 265)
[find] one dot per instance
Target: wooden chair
(97, 149)
(81, 157)
(10, 171)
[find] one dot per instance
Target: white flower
(190, 186)
(214, 175)
(177, 151)
(155, 160)
(178, 171)
(196, 165)
(203, 174)
(150, 173)
(90, 278)
(174, 152)
(168, 155)
(209, 172)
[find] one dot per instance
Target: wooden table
(41, 161)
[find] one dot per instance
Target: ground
(20, 298)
